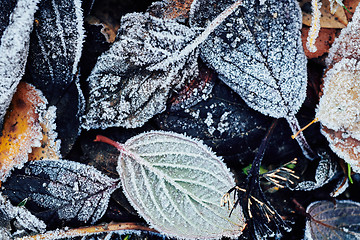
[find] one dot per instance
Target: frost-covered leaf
(347, 44)
(171, 9)
(69, 190)
(55, 46)
(257, 51)
(176, 183)
(49, 144)
(14, 47)
(22, 130)
(333, 221)
(123, 90)
(324, 173)
(24, 219)
(339, 108)
(195, 91)
(6, 8)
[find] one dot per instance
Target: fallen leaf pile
(173, 119)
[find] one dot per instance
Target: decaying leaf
(69, 190)
(328, 19)
(14, 49)
(332, 221)
(49, 144)
(22, 130)
(133, 80)
(55, 46)
(339, 108)
(323, 42)
(176, 183)
(257, 51)
(171, 9)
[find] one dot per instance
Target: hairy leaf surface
(126, 86)
(176, 184)
(257, 51)
(14, 46)
(68, 189)
(333, 221)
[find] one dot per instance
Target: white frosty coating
(39, 102)
(339, 107)
(74, 189)
(340, 187)
(23, 217)
(324, 173)
(80, 34)
(176, 183)
(263, 59)
(123, 92)
(14, 49)
(347, 44)
(345, 148)
(315, 26)
(343, 215)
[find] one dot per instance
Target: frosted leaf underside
(176, 184)
(14, 46)
(342, 217)
(55, 46)
(69, 189)
(257, 51)
(124, 90)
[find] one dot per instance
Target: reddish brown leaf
(323, 42)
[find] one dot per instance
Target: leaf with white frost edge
(132, 81)
(257, 51)
(14, 46)
(176, 184)
(333, 221)
(70, 189)
(55, 46)
(123, 90)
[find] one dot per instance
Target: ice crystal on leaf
(257, 51)
(176, 183)
(339, 108)
(124, 90)
(55, 46)
(69, 189)
(14, 47)
(329, 220)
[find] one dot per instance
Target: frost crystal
(347, 44)
(14, 49)
(315, 25)
(56, 45)
(176, 183)
(70, 189)
(124, 91)
(257, 51)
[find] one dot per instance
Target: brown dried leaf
(22, 130)
(327, 20)
(323, 42)
(172, 9)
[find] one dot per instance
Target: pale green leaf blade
(176, 184)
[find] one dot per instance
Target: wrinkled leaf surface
(176, 183)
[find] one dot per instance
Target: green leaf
(176, 184)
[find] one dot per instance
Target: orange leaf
(22, 130)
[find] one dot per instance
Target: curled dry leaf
(22, 130)
(176, 183)
(332, 221)
(14, 46)
(69, 190)
(339, 108)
